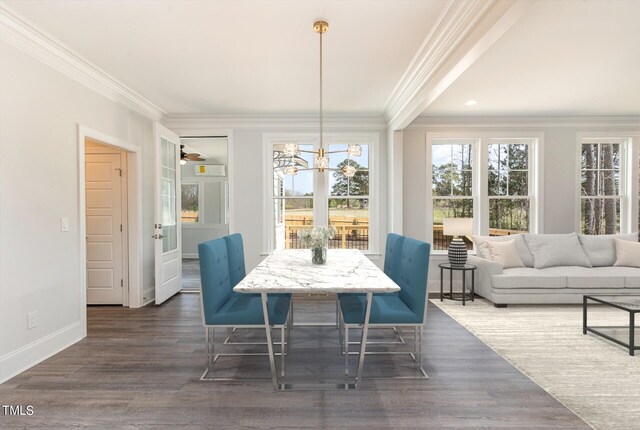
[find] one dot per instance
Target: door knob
(157, 236)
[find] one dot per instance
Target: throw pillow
(551, 250)
(627, 253)
(483, 250)
(601, 249)
(506, 253)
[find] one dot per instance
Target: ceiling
(570, 57)
(247, 56)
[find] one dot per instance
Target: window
(308, 198)
(601, 185)
(349, 199)
(451, 186)
(490, 179)
(292, 196)
(508, 187)
(190, 207)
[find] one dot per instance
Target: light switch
(64, 224)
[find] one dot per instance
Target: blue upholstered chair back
(214, 276)
(413, 275)
(235, 253)
(392, 256)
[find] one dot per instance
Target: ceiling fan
(185, 157)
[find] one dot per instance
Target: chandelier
(321, 160)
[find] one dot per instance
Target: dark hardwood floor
(139, 368)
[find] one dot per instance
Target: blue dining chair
(222, 307)
(392, 253)
(409, 268)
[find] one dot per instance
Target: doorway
(204, 199)
(106, 224)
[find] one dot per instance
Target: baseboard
(189, 256)
(13, 363)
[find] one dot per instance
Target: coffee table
(622, 335)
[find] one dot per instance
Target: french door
(167, 232)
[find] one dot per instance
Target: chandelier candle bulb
(354, 150)
(291, 170)
(349, 171)
(291, 149)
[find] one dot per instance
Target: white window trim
(480, 177)
(321, 182)
(630, 149)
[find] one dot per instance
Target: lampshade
(457, 226)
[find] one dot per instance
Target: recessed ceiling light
(471, 102)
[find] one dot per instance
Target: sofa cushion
(528, 277)
(506, 253)
(523, 250)
(553, 250)
(627, 253)
(595, 277)
(601, 249)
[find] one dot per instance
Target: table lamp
(457, 227)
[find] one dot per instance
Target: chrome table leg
(363, 341)
(267, 326)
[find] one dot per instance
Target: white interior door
(105, 255)
(167, 233)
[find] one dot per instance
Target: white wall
(560, 140)
(247, 172)
(40, 110)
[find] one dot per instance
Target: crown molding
(630, 122)
(462, 33)
(29, 38)
(203, 122)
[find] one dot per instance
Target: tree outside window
(600, 191)
(349, 199)
(452, 187)
(508, 177)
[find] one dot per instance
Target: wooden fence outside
(441, 242)
(351, 233)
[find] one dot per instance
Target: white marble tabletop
(291, 271)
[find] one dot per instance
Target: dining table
(291, 271)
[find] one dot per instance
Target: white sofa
(545, 278)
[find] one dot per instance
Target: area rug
(596, 379)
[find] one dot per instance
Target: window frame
(480, 175)
(321, 192)
(629, 172)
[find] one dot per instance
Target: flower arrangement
(317, 237)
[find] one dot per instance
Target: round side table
(464, 295)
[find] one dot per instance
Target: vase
(319, 255)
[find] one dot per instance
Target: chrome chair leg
(282, 351)
(289, 324)
(340, 334)
(346, 350)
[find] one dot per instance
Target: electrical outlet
(32, 319)
(64, 224)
